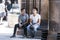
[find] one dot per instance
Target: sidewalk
(7, 37)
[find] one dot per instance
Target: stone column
(44, 9)
(54, 14)
(44, 12)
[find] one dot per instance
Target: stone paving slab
(7, 37)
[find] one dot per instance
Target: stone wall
(54, 15)
(44, 9)
(12, 20)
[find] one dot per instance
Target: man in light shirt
(2, 11)
(35, 20)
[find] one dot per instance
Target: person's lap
(33, 30)
(34, 26)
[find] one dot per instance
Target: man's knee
(16, 25)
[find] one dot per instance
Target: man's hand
(31, 27)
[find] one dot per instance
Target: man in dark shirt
(22, 22)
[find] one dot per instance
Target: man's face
(34, 11)
(23, 11)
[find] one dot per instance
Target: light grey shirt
(23, 18)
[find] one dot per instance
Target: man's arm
(30, 21)
(19, 21)
(26, 20)
(39, 20)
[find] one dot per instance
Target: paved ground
(52, 36)
(6, 32)
(7, 37)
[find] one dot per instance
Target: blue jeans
(35, 26)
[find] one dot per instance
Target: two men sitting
(34, 23)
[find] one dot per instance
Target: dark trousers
(24, 28)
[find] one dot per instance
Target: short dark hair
(35, 8)
(22, 9)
